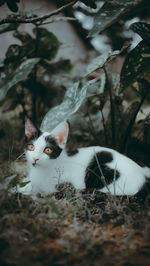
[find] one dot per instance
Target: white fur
(49, 172)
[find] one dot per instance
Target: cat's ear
(60, 133)
(30, 129)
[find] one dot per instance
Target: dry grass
(74, 228)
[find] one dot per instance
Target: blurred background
(40, 61)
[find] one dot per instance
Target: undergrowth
(74, 228)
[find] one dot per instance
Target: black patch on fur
(52, 144)
(145, 190)
(72, 152)
(93, 178)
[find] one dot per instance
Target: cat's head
(44, 146)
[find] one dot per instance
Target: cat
(90, 168)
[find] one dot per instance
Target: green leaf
(20, 74)
(28, 47)
(48, 43)
(136, 65)
(96, 86)
(143, 86)
(143, 29)
(23, 184)
(63, 65)
(147, 120)
(108, 14)
(89, 3)
(45, 44)
(100, 61)
(24, 37)
(8, 27)
(13, 53)
(73, 99)
(114, 83)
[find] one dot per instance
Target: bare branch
(57, 19)
(36, 19)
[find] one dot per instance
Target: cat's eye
(48, 151)
(30, 147)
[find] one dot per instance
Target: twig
(112, 113)
(92, 127)
(36, 19)
(57, 19)
(102, 178)
(34, 89)
(20, 97)
(104, 126)
(89, 126)
(84, 195)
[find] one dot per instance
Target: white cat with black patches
(93, 167)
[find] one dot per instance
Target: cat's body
(93, 167)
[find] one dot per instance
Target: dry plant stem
(55, 20)
(22, 103)
(36, 19)
(102, 178)
(132, 121)
(34, 93)
(92, 127)
(82, 196)
(113, 130)
(89, 126)
(104, 126)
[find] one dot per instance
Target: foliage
(104, 113)
(8, 27)
(73, 99)
(137, 63)
(12, 4)
(21, 66)
(20, 74)
(95, 105)
(134, 69)
(108, 14)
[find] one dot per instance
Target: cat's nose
(35, 160)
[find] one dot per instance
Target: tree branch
(36, 19)
(56, 19)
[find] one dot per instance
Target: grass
(74, 228)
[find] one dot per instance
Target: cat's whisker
(20, 156)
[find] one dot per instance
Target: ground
(74, 228)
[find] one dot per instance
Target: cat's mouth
(35, 164)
